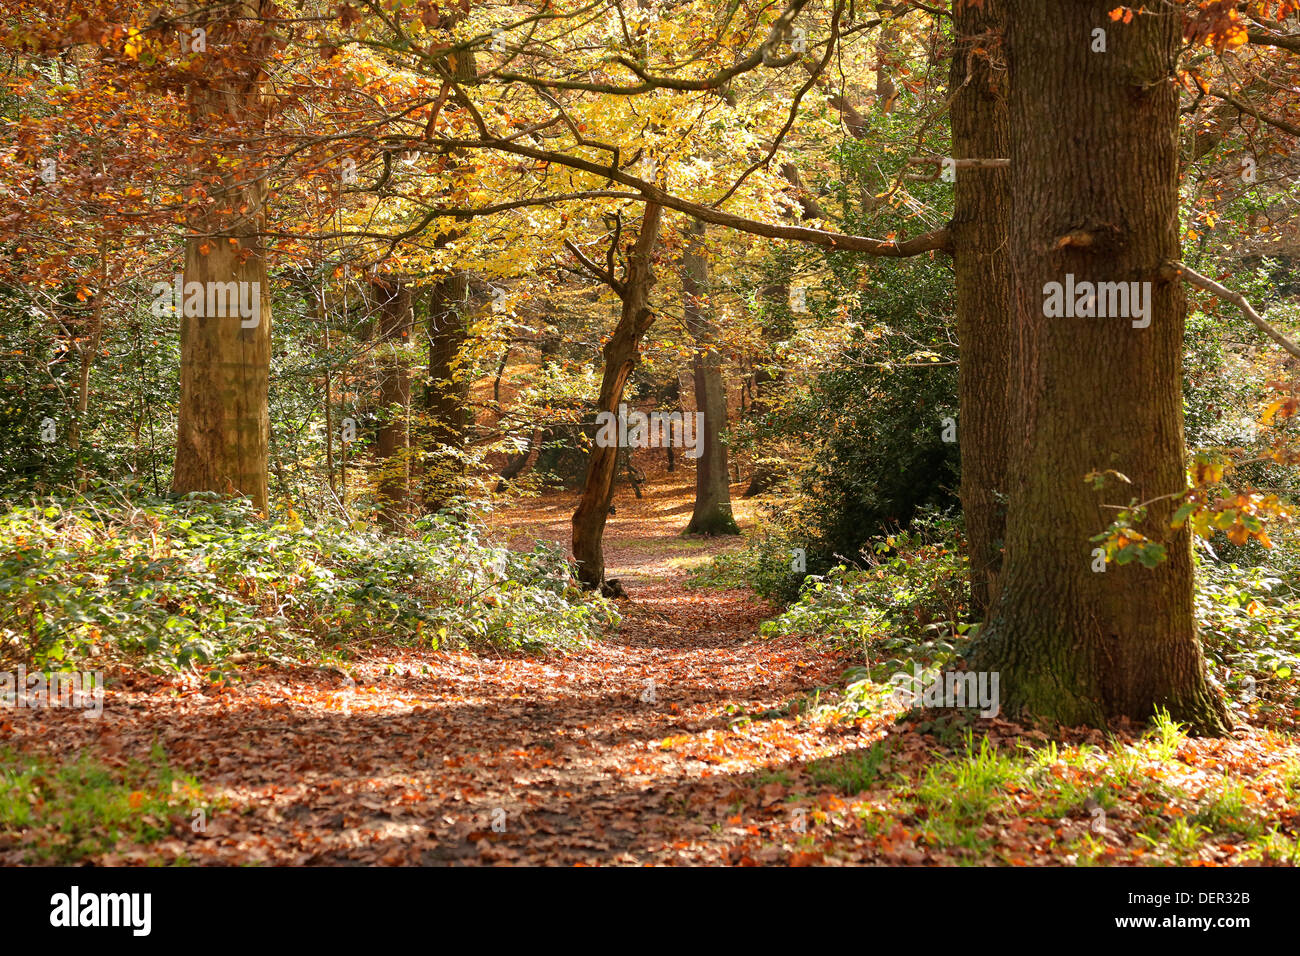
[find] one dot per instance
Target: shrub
(174, 583)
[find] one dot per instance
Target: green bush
(174, 583)
(873, 419)
(906, 604)
(1249, 620)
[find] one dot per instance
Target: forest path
(623, 752)
(671, 740)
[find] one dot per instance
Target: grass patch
(63, 813)
(852, 772)
(727, 571)
(1228, 812)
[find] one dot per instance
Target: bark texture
(982, 266)
(223, 431)
(1094, 151)
(446, 398)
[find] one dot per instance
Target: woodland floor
(415, 762)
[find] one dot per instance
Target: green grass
(852, 772)
(727, 571)
(1227, 812)
(63, 813)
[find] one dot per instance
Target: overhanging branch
(938, 240)
(1236, 298)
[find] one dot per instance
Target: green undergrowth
(905, 602)
(178, 583)
(1147, 800)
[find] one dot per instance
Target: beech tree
(620, 354)
(712, 512)
(223, 432)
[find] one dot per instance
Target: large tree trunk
(223, 432)
(982, 264)
(712, 514)
(635, 318)
(393, 443)
(1095, 161)
(447, 396)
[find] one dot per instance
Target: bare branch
(1249, 110)
(1236, 298)
(603, 275)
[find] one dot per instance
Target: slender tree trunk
(1094, 151)
(88, 343)
(447, 396)
(982, 265)
(223, 432)
(712, 514)
(620, 353)
(392, 444)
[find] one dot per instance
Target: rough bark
(620, 352)
(447, 396)
(712, 514)
(1094, 154)
(982, 267)
(223, 432)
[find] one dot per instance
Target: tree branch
(604, 276)
(1261, 37)
(938, 240)
(1236, 298)
(1249, 110)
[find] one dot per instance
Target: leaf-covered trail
(619, 753)
(670, 741)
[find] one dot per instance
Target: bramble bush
(183, 582)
